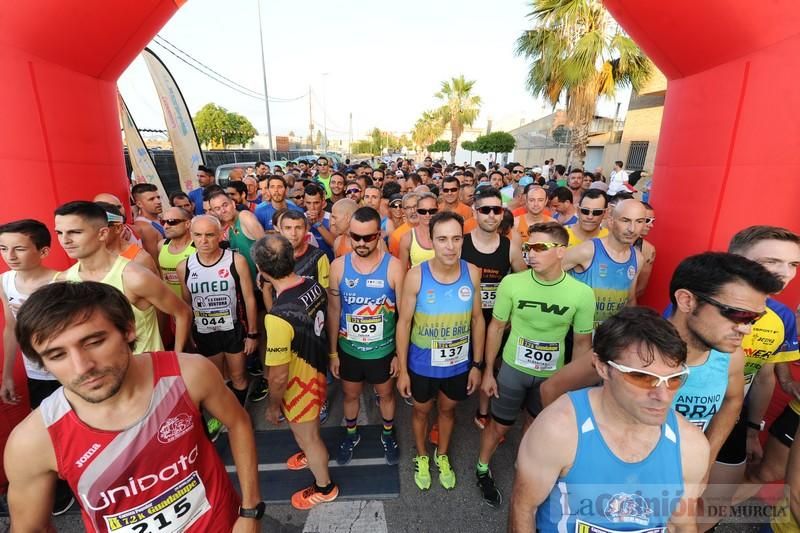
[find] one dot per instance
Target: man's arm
(694, 462)
(581, 345)
(279, 354)
(405, 315)
(8, 393)
(546, 452)
(477, 329)
(252, 227)
(578, 374)
(635, 282)
(144, 284)
(649, 256)
(324, 232)
(180, 271)
(787, 383)
(249, 295)
(515, 256)
(150, 238)
(793, 477)
(405, 251)
(30, 466)
(723, 422)
(334, 315)
(207, 388)
(578, 257)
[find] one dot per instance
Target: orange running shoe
(433, 436)
(309, 497)
(298, 461)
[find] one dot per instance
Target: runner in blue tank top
(440, 337)
(615, 458)
(610, 265)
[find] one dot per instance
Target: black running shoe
(259, 391)
(489, 491)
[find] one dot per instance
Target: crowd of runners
(431, 281)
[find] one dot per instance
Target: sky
(383, 62)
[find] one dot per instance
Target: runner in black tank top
(494, 267)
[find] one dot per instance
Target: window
(637, 153)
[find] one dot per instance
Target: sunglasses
(396, 206)
(353, 191)
(594, 212)
(450, 190)
(649, 220)
(298, 197)
(486, 209)
(734, 314)
(173, 221)
(517, 171)
(366, 238)
(539, 246)
(648, 380)
(427, 211)
(322, 164)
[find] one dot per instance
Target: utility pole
(310, 121)
(264, 74)
(350, 137)
(324, 115)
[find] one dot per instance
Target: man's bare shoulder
(30, 443)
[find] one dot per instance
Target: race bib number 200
(450, 352)
(173, 510)
(541, 356)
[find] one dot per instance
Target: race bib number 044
(541, 356)
(173, 510)
(364, 328)
(450, 352)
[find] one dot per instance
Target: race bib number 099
(541, 356)
(450, 352)
(364, 328)
(173, 510)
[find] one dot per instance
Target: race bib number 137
(450, 352)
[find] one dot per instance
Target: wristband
(253, 336)
(480, 365)
(333, 355)
(757, 427)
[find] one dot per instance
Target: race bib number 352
(450, 352)
(173, 510)
(541, 356)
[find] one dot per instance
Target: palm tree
(426, 130)
(577, 49)
(460, 108)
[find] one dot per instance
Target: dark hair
(415, 179)
(481, 167)
(507, 222)
(618, 163)
(577, 170)
(217, 194)
(320, 158)
(555, 230)
(314, 189)
(643, 328)
(212, 190)
(482, 193)
(207, 170)
(89, 211)
(240, 186)
(493, 172)
(55, 307)
(36, 231)
(560, 169)
(277, 215)
(562, 194)
(617, 198)
(259, 163)
(445, 216)
(293, 214)
(749, 237)
(275, 177)
(381, 169)
(390, 188)
(425, 170)
(141, 188)
(367, 214)
(180, 194)
(451, 179)
(706, 273)
(273, 255)
(337, 173)
(593, 194)
(367, 180)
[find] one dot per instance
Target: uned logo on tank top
(175, 427)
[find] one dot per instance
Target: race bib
(541, 356)
(173, 510)
(586, 527)
(212, 313)
(171, 276)
(364, 328)
(450, 352)
(488, 295)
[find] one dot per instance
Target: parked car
(223, 171)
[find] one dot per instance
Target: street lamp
(324, 114)
(264, 74)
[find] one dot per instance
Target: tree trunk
(453, 146)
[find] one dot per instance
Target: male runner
(591, 211)
(323, 176)
(125, 432)
(575, 184)
(176, 247)
(309, 261)
(340, 224)
(450, 198)
(362, 314)
(647, 248)
(542, 304)
(318, 219)
(277, 193)
(616, 457)
(118, 245)
(147, 222)
(129, 234)
(493, 253)
(337, 190)
(440, 337)
(205, 178)
(372, 197)
(295, 355)
(535, 203)
(609, 265)
(562, 207)
(178, 199)
(82, 228)
(409, 206)
(215, 282)
(240, 228)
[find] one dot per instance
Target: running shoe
(433, 435)
(254, 367)
(259, 391)
(298, 461)
(346, 447)
(489, 491)
(309, 497)
(481, 420)
(214, 428)
(63, 502)
(323, 412)
(422, 472)
(447, 478)
(391, 451)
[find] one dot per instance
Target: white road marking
(350, 517)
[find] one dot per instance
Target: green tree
(239, 130)
(215, 125)
(426, 130)
(498, 142)
(562, 134)
(362, 147)
(460, 108)
(575, 49)
(440, 147)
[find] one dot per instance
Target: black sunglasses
(396, 206)
(594, 212)
(450, 190)
(734, 314)
(366, 238)
(517, 171)
(173, 221)
(353, 191)
(427, 211)
(486, 209)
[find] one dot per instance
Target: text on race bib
(364, 328)
(541, 356)
(173, 510)
(450, 352)
(488, 295)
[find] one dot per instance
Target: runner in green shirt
(542, 304)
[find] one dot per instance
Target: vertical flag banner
(182, 136)
(144, 171)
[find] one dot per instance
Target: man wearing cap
(396, 217)
(410, 202)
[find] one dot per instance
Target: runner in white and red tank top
(125, 432)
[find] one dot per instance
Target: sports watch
(480, 365)
(256, 512)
